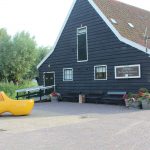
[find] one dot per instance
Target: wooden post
(40, 95)
(17, 96)
(28, 95)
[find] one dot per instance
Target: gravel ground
(72, 126)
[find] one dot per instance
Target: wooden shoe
(15, 107)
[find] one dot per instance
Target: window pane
(68, 74)
(100, 72)
(82, 43)
(104, 69)
(82, 31)
(82, 53)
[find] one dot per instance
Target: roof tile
(124, 14)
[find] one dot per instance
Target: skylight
(131, 25)
(113, 20)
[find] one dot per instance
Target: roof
(124, 14)
(130, 25)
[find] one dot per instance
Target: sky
(41, 18)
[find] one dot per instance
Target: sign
(128, 71)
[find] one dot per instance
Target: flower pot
(81, 98)
(136, 104)
(146, 104)
(54, 99)
(127, 104)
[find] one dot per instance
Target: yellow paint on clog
(15, 107)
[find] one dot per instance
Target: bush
(10, 88)
(142, 95)
(143, 90)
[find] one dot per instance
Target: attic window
(131, 25)
(113, 20)
(82, 44)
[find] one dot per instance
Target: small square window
(131, 25)
(113, 20)
(67, 74)
(100, 72)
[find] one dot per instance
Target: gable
(107, 21)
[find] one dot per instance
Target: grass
(10, 88)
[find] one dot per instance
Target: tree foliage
(19, 56)
(41, 52)
(5, 47)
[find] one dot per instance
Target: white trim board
(113, 29)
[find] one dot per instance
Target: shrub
(142, 95)
(10, 88)
(143, 90)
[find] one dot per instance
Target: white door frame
(44, 78)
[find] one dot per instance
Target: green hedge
(10, 88)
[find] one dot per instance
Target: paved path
(72, 126)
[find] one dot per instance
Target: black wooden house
(102, 46)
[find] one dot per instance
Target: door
(49, 80)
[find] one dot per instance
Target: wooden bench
(94, 97)
(114, 97)
(70, 97)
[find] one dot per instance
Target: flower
(54, 94)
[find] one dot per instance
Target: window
(82, 46)
(100, 72)
(113, 21)
(67, 74)
(131, 25)
(128, 71)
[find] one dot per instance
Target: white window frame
(64, 74)
(132, 77)
(86, 44)
(100, 66)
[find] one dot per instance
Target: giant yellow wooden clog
(15, 107)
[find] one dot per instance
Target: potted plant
(145, 100)
(126, 100)
(54, 96)
(142, 91)
(131, 100)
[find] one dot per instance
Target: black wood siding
(103, 49)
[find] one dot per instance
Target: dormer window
(82, 45)
(113, 21)
(131, 25)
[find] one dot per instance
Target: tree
(22, 56)
(19, 56)
(41, 53)
(5, 48)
